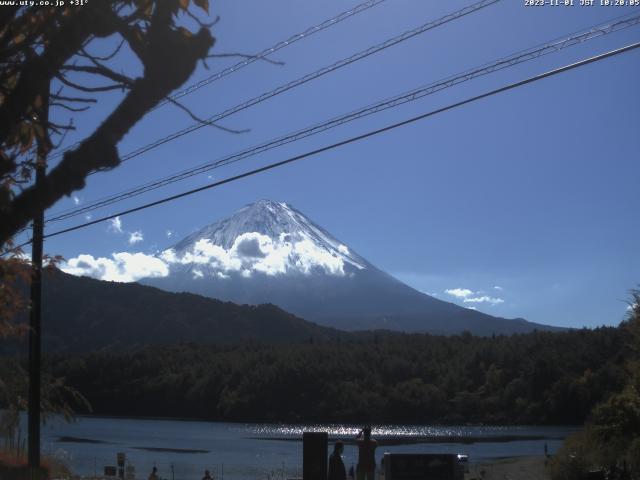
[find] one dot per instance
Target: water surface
(183, 449)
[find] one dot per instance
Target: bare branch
(202, 24)
(84, 53)
(129, 35)
(57, 127)
(100, 70)
(104, 68)
(64, 135)
(68, 108)
(105, 88)
(203, 121)
(244, 55)
(74, 99)
(62, 44)
(160, 46)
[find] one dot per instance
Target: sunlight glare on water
(389, 431)
(243, 451)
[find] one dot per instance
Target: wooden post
(35, 318)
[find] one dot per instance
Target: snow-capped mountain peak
(269, 252)
(264, 237)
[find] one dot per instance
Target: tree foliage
(48, 66)
(41, 46)
(539, 378)
(50, 74)
(611, 438)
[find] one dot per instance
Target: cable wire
(309, 77)
(556, 45)
(253, 58)
(278, 46)
(354, 139)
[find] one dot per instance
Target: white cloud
(250, 253)
(76, 200)
(253, 252)
(459, 292)
(483, 299)
(169, 233)
(466, 296)
(206, 253)
(88, 217)
(343, 249)
(115, 225)
(471, 308)
(308, 256)
(169, 256)
(121, 267)
(135, 237)
(498, 287)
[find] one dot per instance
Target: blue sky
(533, 191)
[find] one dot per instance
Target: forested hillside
(82, 314)
(534, 378)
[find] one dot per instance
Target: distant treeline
(537, 378)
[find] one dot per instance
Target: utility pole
(35, 330)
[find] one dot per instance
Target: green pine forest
(581, 377)
(537, 378)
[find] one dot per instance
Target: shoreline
(410, 440)
(521, 468)
(326, 424)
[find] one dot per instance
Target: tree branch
(68, 108)
(105, 88)
(63, 44)
(202, 120)
(85, 54)
(74, 99)
(100, 70)
(169, 59)
(244, 55)
(200, 23)
(57, 127)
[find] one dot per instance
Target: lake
(182, 450)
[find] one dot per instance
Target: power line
(582, 36)
(259, 56)
(354, 139)
(310, 76)
(278, 46)
(344, 142)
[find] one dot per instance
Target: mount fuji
(269, 252)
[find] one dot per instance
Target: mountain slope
(82, 314)
(270, 252)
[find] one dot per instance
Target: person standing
(207, 475)
(154, 474)
(336, 465)
(366, 455)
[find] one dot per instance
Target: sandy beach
(518, 468)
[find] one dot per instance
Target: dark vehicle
(424, 466)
